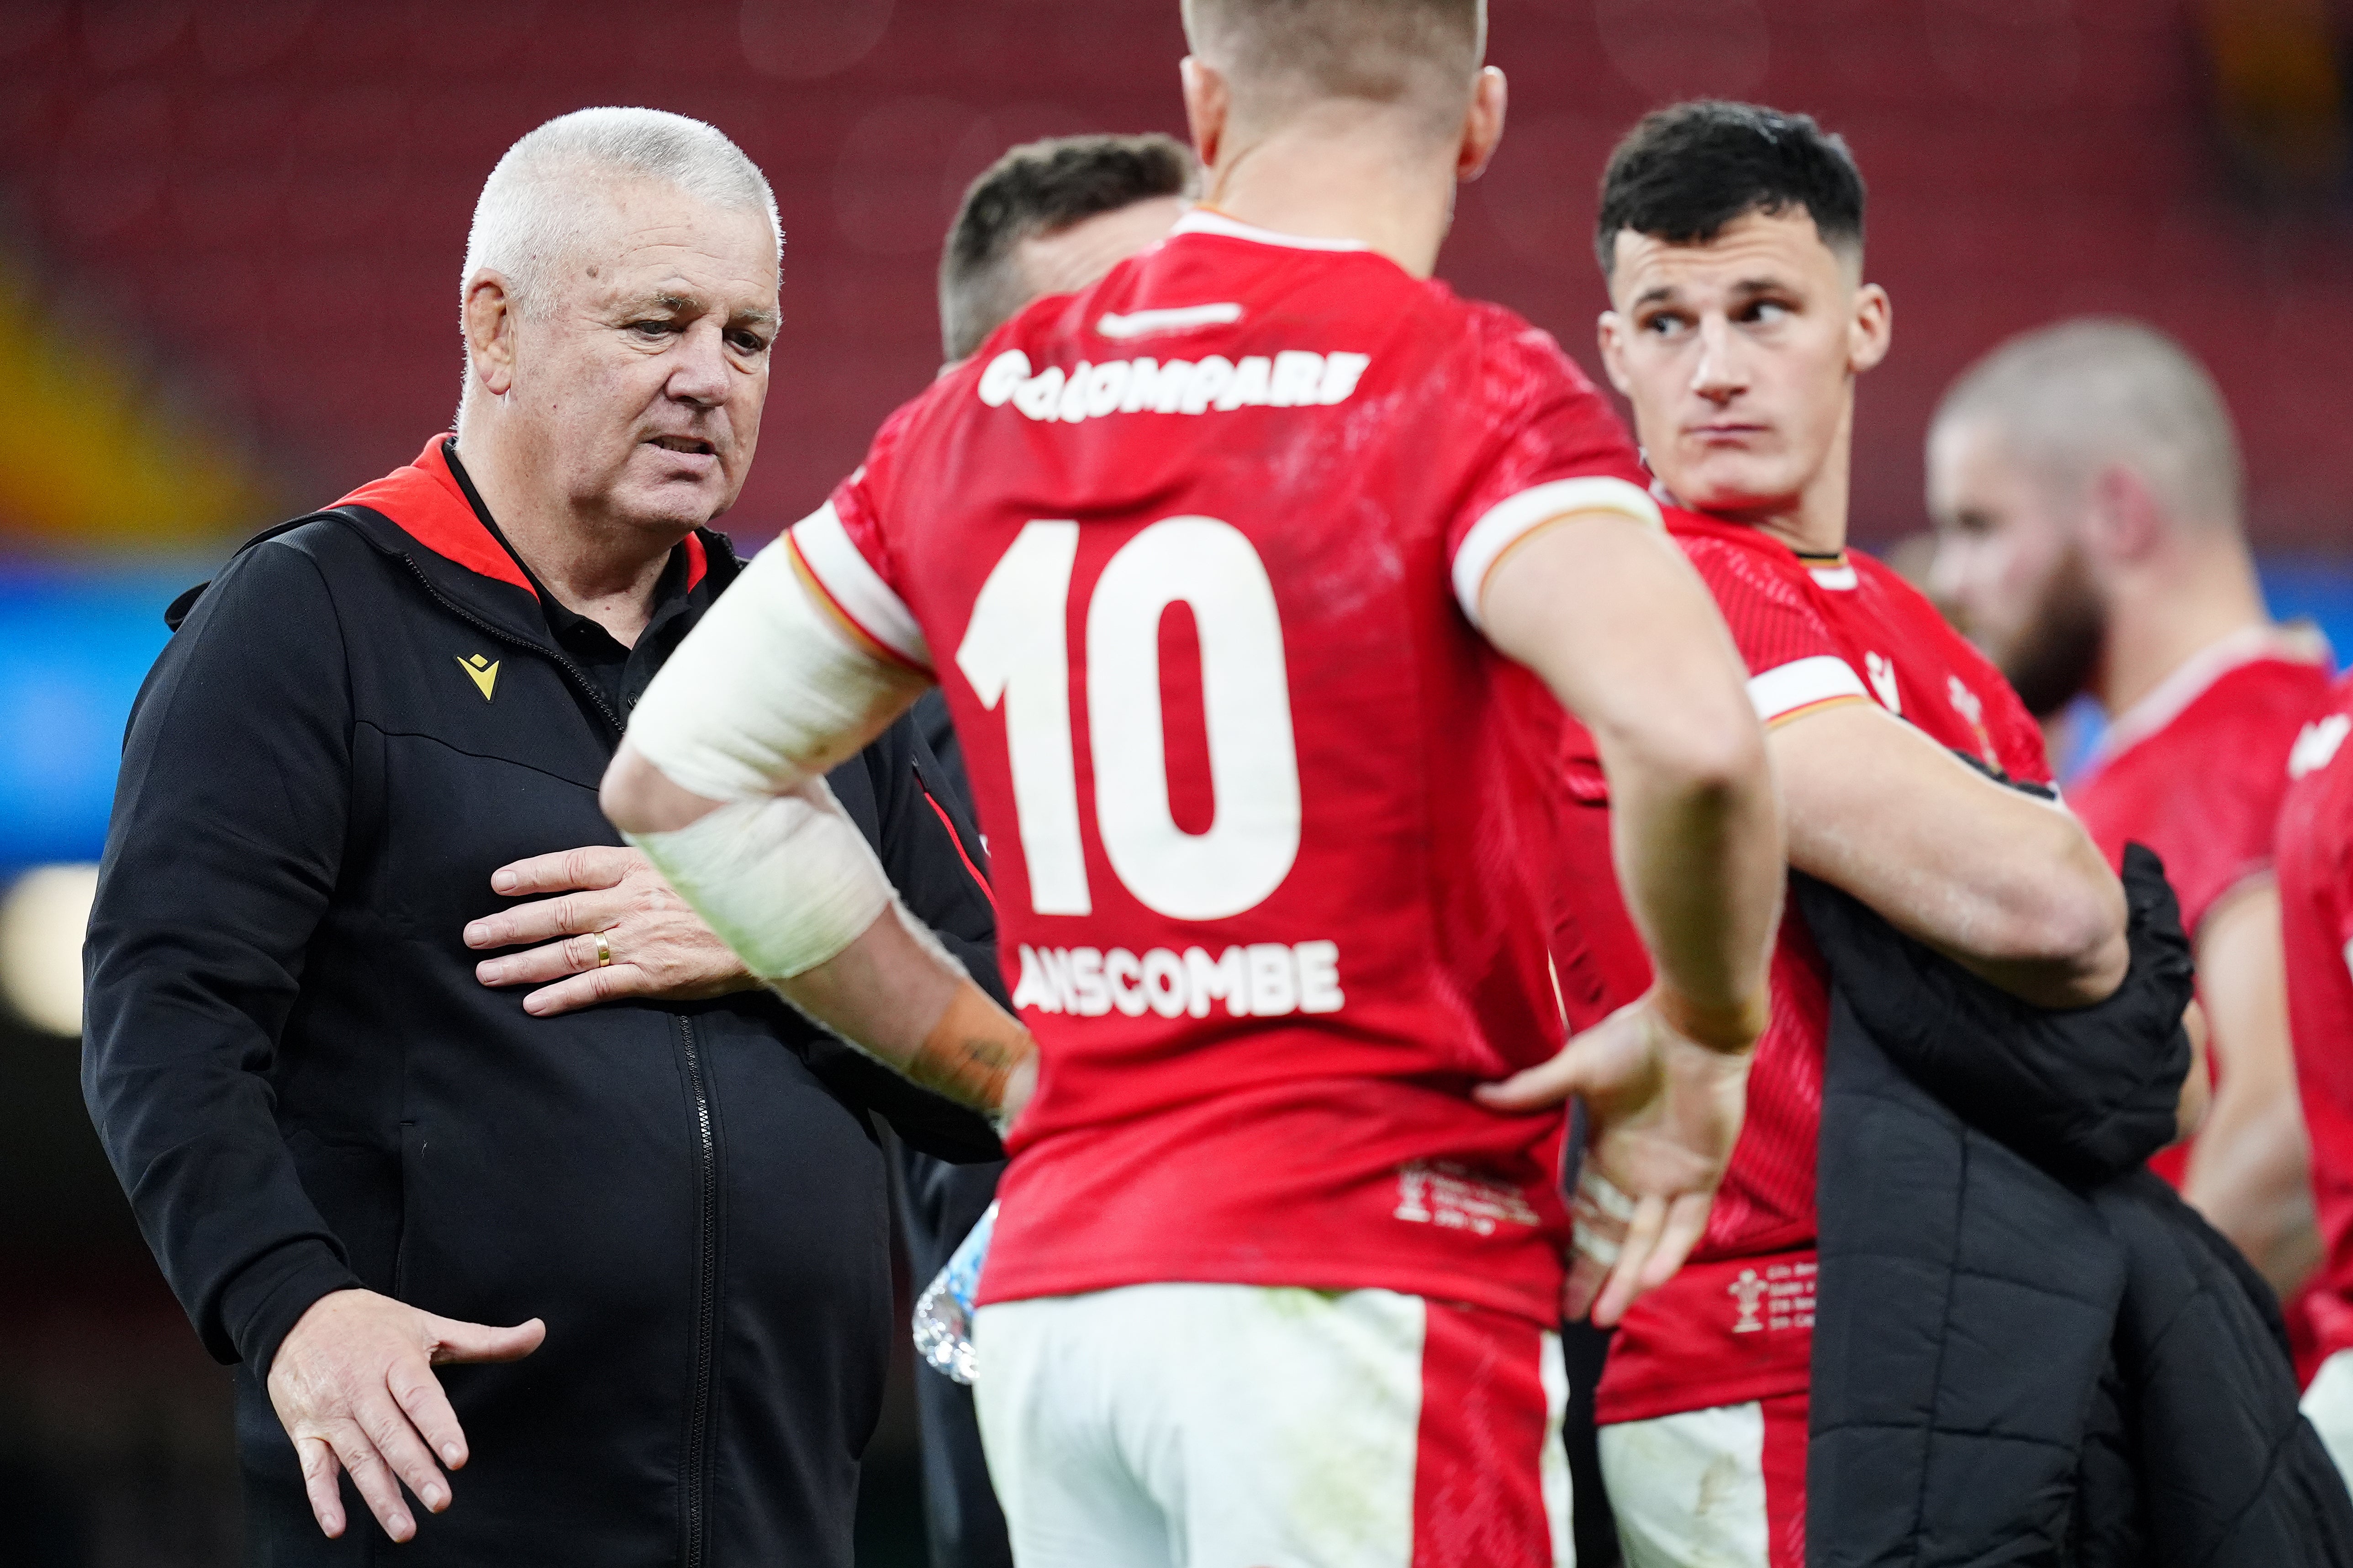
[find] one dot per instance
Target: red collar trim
(426, 503)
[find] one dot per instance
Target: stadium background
(230, 239)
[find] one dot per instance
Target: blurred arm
(2008, 886)
(2249, 1168)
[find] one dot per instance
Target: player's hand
(352, 1384)
(619, 931)
(1664, 1112)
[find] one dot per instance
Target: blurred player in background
(1732, 240)
(2315, 895)
(2086, 489)
(1270, 1282)
(1048, 217)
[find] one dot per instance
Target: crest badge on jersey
(1882, 680)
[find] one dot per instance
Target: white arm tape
(765, 691)
(786, 880)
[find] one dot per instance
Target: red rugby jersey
(2196, 769)
(1736, 1324)
(2315, 880)
(1196, 554)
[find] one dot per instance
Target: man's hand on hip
(1665, 1111)
(354, 1385)
(619, 931)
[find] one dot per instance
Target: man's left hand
(1665, 1112)
(619, 933)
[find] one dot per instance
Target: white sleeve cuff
(1803, 683)
(856, 588)
(1513, 519)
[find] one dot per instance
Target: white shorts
(2328, 1405)
(1725, 1487)
(1247, 1427)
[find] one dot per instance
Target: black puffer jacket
(303, 1087)
(2028, 1349)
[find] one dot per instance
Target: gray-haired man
(389, 1039)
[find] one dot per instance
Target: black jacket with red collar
(303, 1087)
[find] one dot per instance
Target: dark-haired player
(1731, 237)
(1051, 217)
(1219, 561)
(2086, 486)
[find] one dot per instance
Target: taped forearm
(768, 690)
(786, 880)
(895, 994)
(790, 884)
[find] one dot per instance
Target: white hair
(2072, 398)
(530, 213)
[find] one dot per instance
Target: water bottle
(943, 1311)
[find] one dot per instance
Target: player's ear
(1609, 336)
(489, 331)
(1209, 100)
(2124, 521)
(1872, 329)
(1483, 125)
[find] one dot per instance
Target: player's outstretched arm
(2009, 886)
(2249, 1171)
(1614, 619)
(720, 781)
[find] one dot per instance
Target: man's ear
(2123, 523)
(1874, 327)
(1609, 336)
(1483, 125)
(490, 332)
(1208, 99)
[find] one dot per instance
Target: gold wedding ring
(604, 951)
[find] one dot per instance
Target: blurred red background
(270, 198)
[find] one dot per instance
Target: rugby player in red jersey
(2087, 488)
(2316, 893)
(1221, 562)
(1731, 237)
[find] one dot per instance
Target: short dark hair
(1041, 188)
(1685, 172)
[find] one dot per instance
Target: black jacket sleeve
(937, 871)
(2088, 1093)
(227, 836)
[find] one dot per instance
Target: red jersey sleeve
(1795, 661)
(1557, 449)
(844, 549)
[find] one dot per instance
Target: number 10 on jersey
(1015, 652)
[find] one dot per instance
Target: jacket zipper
(706, 1317)
(696, 1476)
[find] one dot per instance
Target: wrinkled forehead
(643, 239)
(1755, 251)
